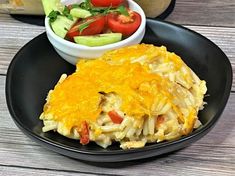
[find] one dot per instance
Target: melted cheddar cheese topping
(143, 52)
(78, 97)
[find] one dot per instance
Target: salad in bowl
(88, 28)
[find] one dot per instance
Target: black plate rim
(200, 132)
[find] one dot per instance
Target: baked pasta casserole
(134, 95)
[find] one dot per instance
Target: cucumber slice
(98, 40)
(50, 5)
(61, 25)
(80, 13)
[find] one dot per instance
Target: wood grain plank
(13, 171)
(214, 154)
(14, 35)
(201, 12)
(191, 12)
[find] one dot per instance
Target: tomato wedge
(84, 133)
(107, 3)
(115, 117)
(126, 25)
(89, 26)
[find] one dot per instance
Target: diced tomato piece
(107, 3)
(126, 25)
(115, 117)
(89, 26)
(84, 133)
(160, 120)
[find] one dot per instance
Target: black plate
(37, 67)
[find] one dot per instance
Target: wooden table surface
(214, 154)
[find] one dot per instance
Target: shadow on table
(124, 164)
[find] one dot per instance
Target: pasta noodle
(134, 95)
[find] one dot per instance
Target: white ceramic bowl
(71, 52)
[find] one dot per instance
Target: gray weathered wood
(204, 12)
(194, 12)
(19, 171)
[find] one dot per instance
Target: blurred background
(152, 8)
